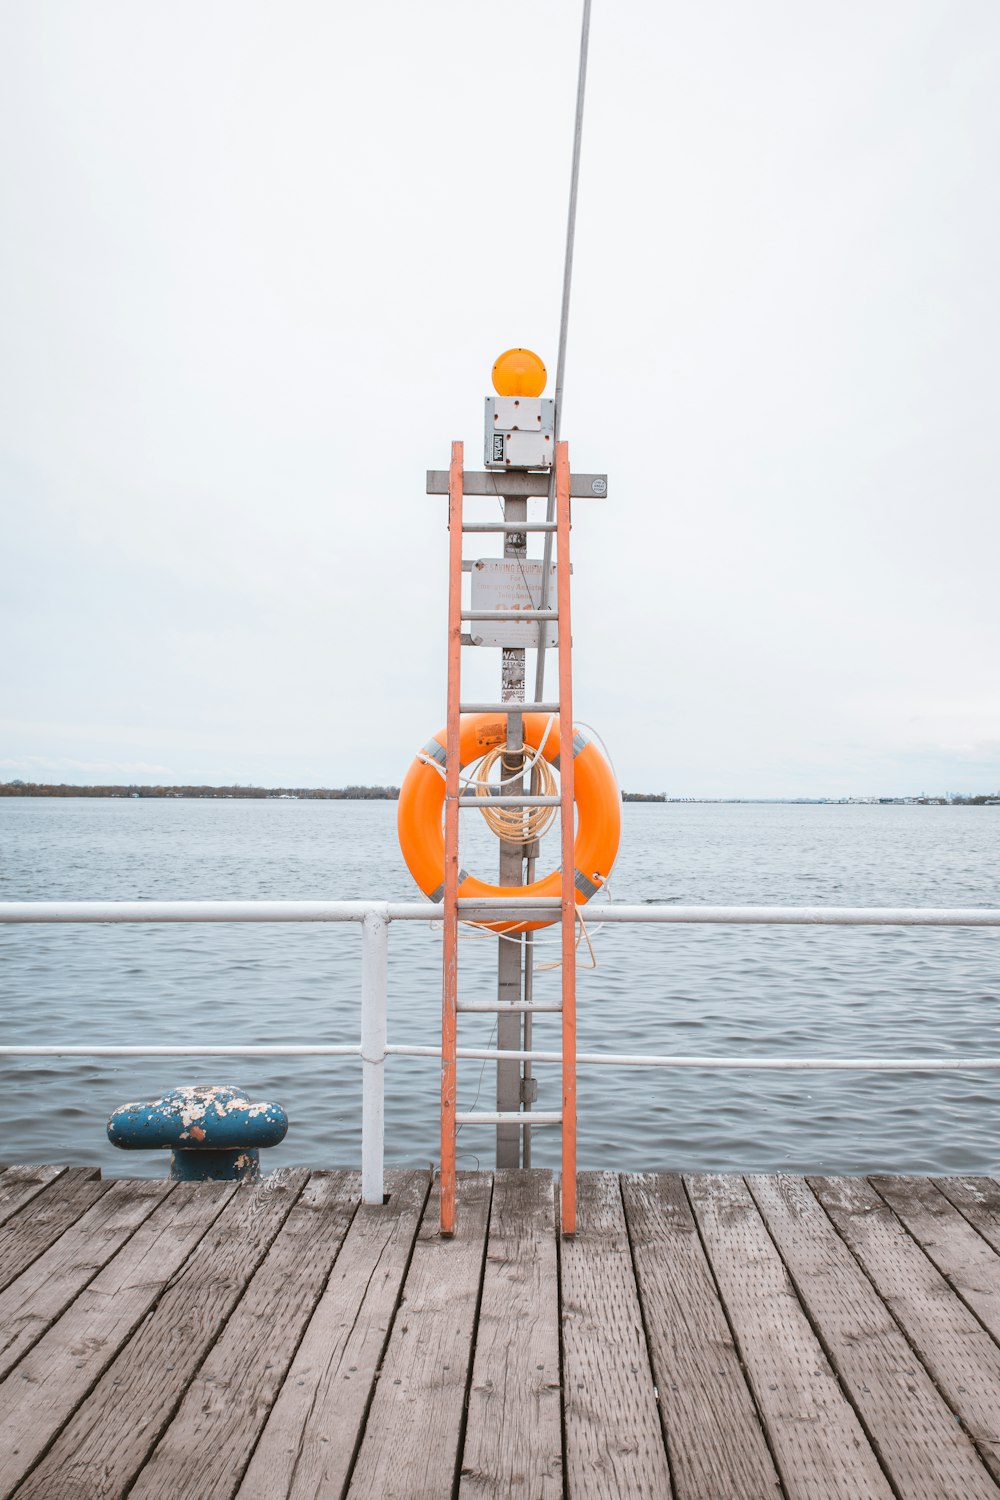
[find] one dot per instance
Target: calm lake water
(700, 990)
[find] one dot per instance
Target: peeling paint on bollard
(215, 1133)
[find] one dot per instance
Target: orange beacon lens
(519, 372)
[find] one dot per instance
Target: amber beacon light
(519, 372)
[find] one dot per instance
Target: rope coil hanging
(515, 825)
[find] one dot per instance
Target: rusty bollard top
(215, 1132)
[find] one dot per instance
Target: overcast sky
(256, 262)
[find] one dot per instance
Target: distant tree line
(391, 794)
(260, 793)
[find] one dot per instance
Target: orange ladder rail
(449, 987)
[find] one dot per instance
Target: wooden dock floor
(700, 1338)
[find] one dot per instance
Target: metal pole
(528, 1086)
(374, 990)
(550, 510)
(508, 1091)
(574, 181)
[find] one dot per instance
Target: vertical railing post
(374, 990)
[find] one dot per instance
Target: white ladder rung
(512, 706)
(498, 1007)
(511, 616)
(509, 526)
(512, 1117)
(468, 639)
(510, 903)
(473, 799)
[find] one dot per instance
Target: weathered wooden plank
(410, 1448)
(714, 1435)
(104, 1372)
(108, 1438)
(957, 1352)
(20, 1184)
(205, 1448)
(818, 1443)
(40, 1394)
(978, 1200)
(513, 1442)
(33, 1302)
(949, 1240)
(29, 1232)
(922, 1448)
(614, 1442)
(311, 1436)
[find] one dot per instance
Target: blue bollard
(214, 1133)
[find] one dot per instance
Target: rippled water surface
(697, 990)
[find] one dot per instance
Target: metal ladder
(454, 909)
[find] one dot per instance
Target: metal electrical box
(519, 432)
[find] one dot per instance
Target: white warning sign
(511, 583)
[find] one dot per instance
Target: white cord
(470, 780)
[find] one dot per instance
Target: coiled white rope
(515, 825)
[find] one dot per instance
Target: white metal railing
(374, 1047)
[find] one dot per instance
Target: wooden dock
(699, 1338)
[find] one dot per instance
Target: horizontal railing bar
(428, 911)
(653, 1060)
(509, 526)
(791, 1064)
(778, 916)
(491, 1054)
(304, 1049)
(216, 911)
(511, 616)
(806, 916)
(750, 915)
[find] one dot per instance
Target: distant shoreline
(223, 793)
(391, 794)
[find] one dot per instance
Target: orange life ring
(421, 803)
